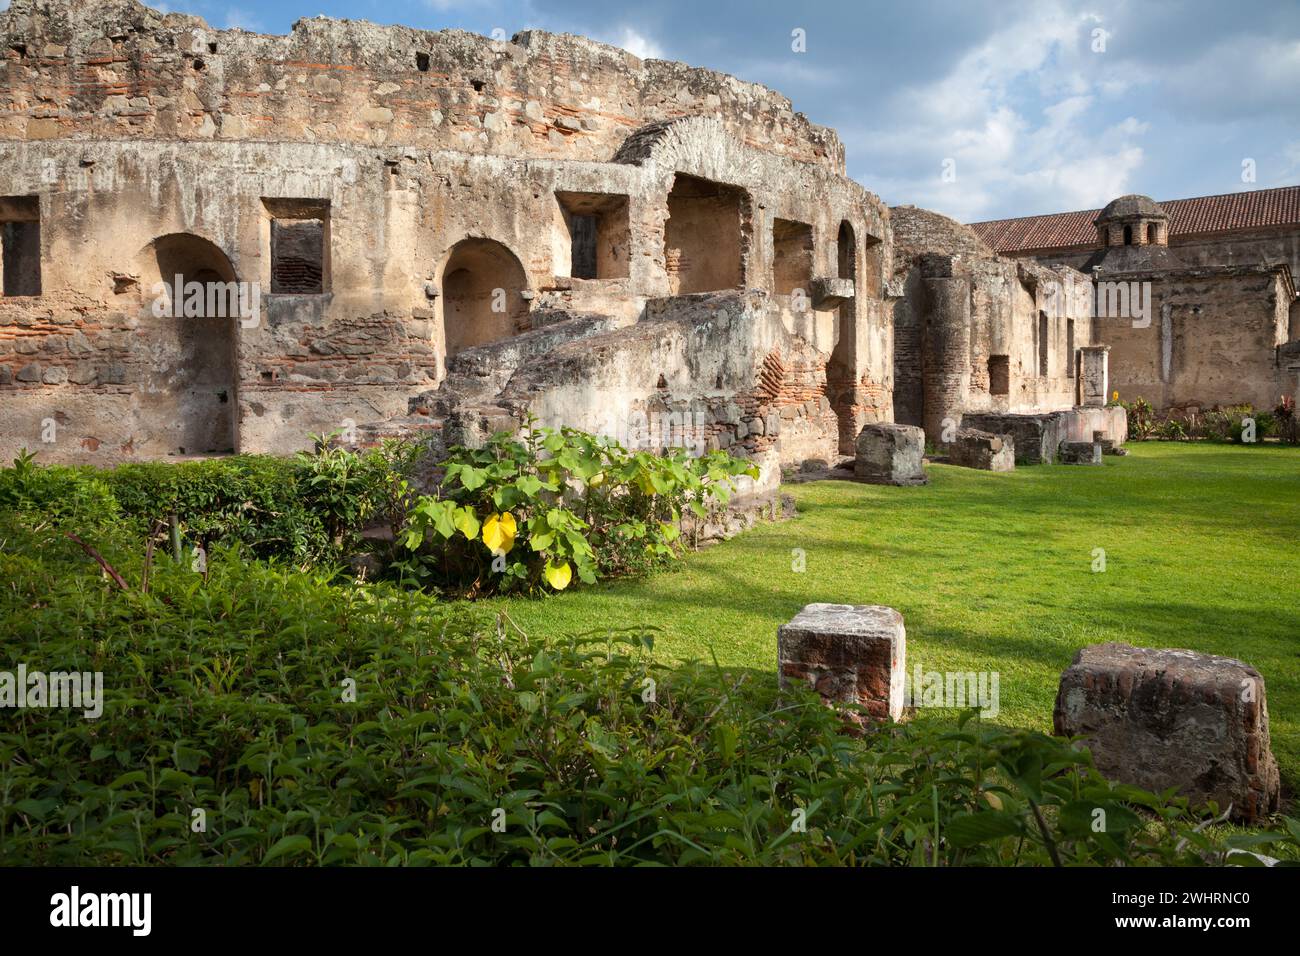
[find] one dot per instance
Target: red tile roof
(1231, 211)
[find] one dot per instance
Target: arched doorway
(195, 311)
(482, 300)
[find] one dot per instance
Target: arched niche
(482, 301)
(194, 305)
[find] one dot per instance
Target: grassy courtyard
(994, 572)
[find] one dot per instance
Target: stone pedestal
(889, 454)
(1035, 437)
(848, 653)
(1094, 375)
(1170, 718)
(973, 448)
(1080, 453)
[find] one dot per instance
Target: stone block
(830, 292)
(890, 454)
(986, 451)
(1173, 718)
(848, 653)
(1080, 453)
(1035, 437)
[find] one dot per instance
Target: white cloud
(1019, 116)
(635, 42)
(1238, 77)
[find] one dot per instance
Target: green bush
(308, 509)
(233, 696)
(61, 493)
(250, 500)
(539, 510)
(1141, 418)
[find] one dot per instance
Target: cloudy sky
(1041, 106)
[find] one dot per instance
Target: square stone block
(1034, 437)
(889, 454)
(1171, 718)
(1080, 453)
(848, 653)
(973, 448)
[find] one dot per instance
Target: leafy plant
(1286, 419)
(315, 723)
(1171, 429)
(536, 511)
(1141, 418)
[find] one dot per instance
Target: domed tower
(1132, 235)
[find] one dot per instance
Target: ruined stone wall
(1215, 338)
(976, 332)
(407, 220)
(115, 69)
(1245, 247)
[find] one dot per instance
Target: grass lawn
(994, 573)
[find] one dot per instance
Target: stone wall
(115, 69)
(976, 332)
(439, 169)
(1215, 338)
(1238, 249)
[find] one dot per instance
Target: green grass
(994, 572)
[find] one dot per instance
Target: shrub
(1286, 420)
(349, 490)
(1170, 430)
(539, 510)
(309, 509)
(60, 493)
(1141, 418)
(250, 500)
(230, 696)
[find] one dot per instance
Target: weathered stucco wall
(444, 179)
(1215, 338)
(976, 332)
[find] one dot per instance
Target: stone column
(945, 363)
(1094, 375)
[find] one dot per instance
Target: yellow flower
(499, 533)
(1114, 396)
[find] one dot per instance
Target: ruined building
(1222, 322)
(439, 226)
(219, 241)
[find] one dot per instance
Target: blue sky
(1176, 97)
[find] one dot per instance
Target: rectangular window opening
(999, 375)
(593, 235)
(20, 246)
(299, 246)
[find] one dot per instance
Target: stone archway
(482, 295)
(190, 395)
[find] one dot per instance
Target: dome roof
(1130, 206)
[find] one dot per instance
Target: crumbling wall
(1215, 337)
(977, 332)
(115, 69)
